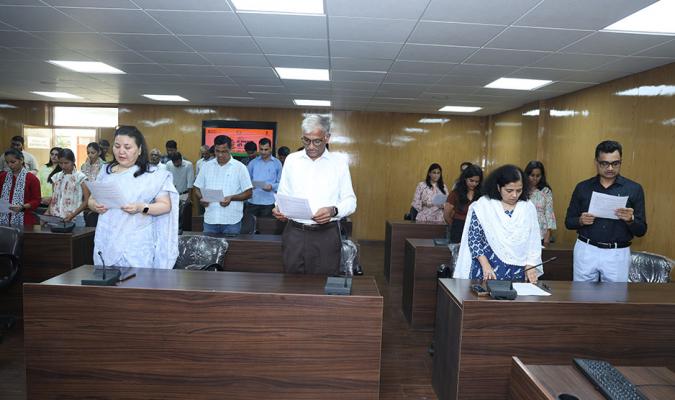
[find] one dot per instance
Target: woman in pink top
(427, 202)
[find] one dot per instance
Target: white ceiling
(383, 55)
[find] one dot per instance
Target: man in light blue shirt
(265, 171)
(231, 177)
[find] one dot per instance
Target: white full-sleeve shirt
(324, 182)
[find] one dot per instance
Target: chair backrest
(649, 267)
(11, 246)
(197, 250)
(248, 224)
(410, 215)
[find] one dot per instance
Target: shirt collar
(620, 180)
(326, 154)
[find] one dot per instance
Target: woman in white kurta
(143, 232)
(501, 237)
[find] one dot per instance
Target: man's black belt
(312, 227)
(602, 245)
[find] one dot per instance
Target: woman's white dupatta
(515, 240)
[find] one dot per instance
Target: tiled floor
(406, 366)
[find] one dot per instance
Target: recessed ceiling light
(656, 19)
(518, 84)
(58, 95)
(460, 109)
(277, 6)
(165, 97)
(433, 120)
(87, 67)
(304, 74)
(312, 103)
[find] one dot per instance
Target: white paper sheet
(4, 207)
(603, 205)
(439, 199)
(212, 195)
(107, 194)
(294, 207)
(259, 184)
(529, 289)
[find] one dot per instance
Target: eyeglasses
(316, 142)
(606, 164)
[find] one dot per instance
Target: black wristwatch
(335, 211)
(146, 208)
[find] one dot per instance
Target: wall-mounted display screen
(240, 132)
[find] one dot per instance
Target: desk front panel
(251, 253)
(202, 335)
(396, 233)
(625, 324)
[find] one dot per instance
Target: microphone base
(112, 276)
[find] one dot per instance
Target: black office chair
(410, 215)
(649, 267)
(248, 224)
(11, 244)
(205, 253)
(185, 215)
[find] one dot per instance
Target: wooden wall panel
(23, 113)
(512, 139)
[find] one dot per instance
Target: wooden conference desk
(625, 324)
(396, 232)
(267, 225)
(530, 382)
(251, 253)
(560, 269)
(47, 254)
(176, 334)
(422, 259)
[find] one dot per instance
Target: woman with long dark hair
(46, 172)
(143, 232)
(20, 189)
(466, 191)
(541, 196)
(93, 164)
(426, 194)
(501, 239)
(70, 193)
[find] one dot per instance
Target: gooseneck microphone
(526, 269)
(105, 278)
(100, 255)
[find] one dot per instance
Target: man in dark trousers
(602, 249)
(313, 246)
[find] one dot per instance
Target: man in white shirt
(155, 158)
(28, 159)
(313, 246)
(183, 175)
(205, 152)
(231, 177)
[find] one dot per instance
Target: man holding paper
(229, 178)
(265, 173)
(319, 180)
(607, 211)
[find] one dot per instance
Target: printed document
(4, 206)
(529, 289)
(603, 205)
(107, 194)
(439, 199)
(294, 207)
(259, 184)
(212, 195)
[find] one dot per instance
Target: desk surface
(396, 233)
(41, 231)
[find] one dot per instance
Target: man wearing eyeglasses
(313, 246)
(602, 249)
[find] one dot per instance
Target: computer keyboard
(608, 380)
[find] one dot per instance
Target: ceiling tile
(357, 76)
(222, 44)
(410, 9)
(635, 64)
(487, 70)
(398, 90)
(466, 80)
(364, 86)
(574, 61)
(21, 39)
(22, 2)
(447, 33)
(394, 77)
(581, 14)
(370, 29)
(502, 12)
(664, 50)
(150, 69)
(287, 26)
(298, 61)
(295, 47)
(127, 56)
(615, 43)
(343, 48)
(540, 73)
(80, 41)
(93, 3)
(40, 19)
(360, 64)
(249, 72)
(198, 70)
(115, 21)
(240, 60)
(201, 5)
(200, 22)
(417, 67)
(245, 80)
(523, 38)
(435, 53)
(593, 76)
(150, 42)
(174, 57)
(54, 53)
(506, 57)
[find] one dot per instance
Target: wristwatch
(146, 208)
(335, 211)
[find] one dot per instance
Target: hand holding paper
(439, 199)
(605, 206)
(107, 194)
(212, 195)
(294, 207)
